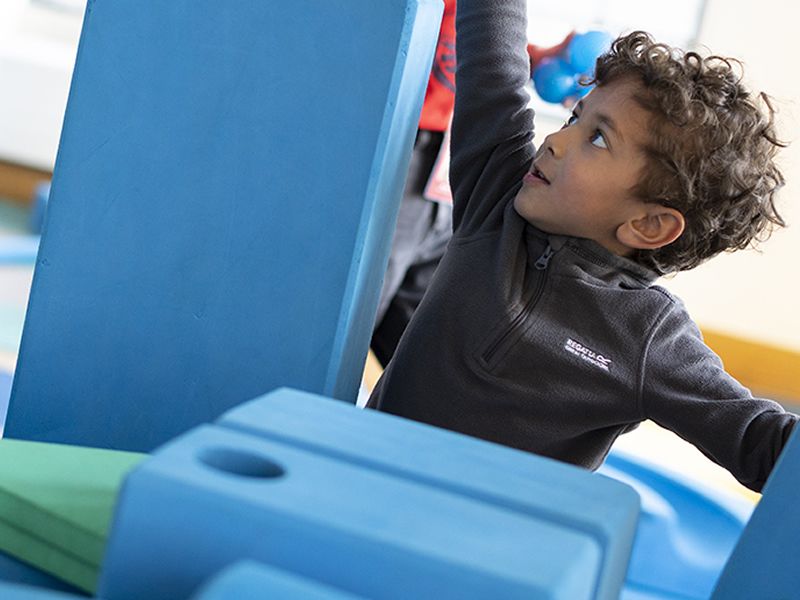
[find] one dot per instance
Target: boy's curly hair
(711, 151)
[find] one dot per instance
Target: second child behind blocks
(543, 329)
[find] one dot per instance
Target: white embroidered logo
(587, 354)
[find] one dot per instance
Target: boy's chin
(525, 210)
(522, 206)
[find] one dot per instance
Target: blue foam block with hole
(221, 211)
(215, 496)
(368, 503)
(541, 488)
(248, 580)
(764, 563)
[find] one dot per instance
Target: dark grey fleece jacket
(546, 343)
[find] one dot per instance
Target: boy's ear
(659, 226)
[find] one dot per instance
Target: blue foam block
(221, 211)
(248, 580)
(685, 534)
(530, 485)
(764, 564)
(368, 503)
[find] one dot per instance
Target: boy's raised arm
(492, 124)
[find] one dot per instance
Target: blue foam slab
(18, 249)
(215, 496)
(21, 581)
(248, 580)
(686, 532)
(530, 485)
(764, 564)
(9, 591)
(221, 211)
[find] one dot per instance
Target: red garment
(440, 96)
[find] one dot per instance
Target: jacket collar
(592, 258)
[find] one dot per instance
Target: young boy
(542, 329)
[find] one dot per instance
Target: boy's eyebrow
(604, 119)
(609, 122)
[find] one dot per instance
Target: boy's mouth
(538, 174)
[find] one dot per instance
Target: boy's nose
(554, 143)
(559, 142)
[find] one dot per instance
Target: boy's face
(581, 180)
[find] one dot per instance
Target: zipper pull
(544, 260)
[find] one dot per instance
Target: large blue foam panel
(221, 211)
(764, 563)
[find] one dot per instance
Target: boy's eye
(572, 118)
(598, 139)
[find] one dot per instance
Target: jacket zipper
(541, 264)
(544, 260)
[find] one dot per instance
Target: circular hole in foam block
(240, 462)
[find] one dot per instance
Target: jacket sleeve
(686, 389)
(491, 144)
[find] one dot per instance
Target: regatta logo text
(587, 354)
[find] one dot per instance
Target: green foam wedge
(56, 504)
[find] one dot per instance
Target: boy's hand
(537, 53)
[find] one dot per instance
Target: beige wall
(750, 294)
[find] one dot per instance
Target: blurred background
(745, 303)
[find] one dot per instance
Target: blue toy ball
(554, 80)
(557, 79)
(584, 48)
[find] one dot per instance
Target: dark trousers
(420, 239)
